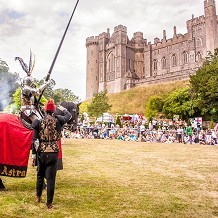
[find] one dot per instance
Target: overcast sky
(39, 25)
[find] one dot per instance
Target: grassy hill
(134, 100)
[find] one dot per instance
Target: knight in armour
(29, 92)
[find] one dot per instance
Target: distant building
(116, 63)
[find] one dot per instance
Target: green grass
(110, 178)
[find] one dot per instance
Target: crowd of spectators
(160, 131)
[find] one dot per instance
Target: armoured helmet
(29, 81)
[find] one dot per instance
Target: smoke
(5, 95)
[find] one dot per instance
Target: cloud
(39, 26)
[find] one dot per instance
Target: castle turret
(120, 44)
(92, 67)
(104, 39)
(164, 36)
(210, 25)
(174, 32)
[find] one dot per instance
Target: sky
(39, 25)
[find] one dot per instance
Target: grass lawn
(111, 178)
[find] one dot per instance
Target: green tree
(8, 84)
(204, 87)
(153, 106)
(99, 104)
(17, 99)
(180, 103)
(60, 95)
(118, 121)
(48, 92)
(83, 107)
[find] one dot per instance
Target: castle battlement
(137, 35)
(91, 40)
(196, 21)
(104, 35)
(120, 28)
(156, 40)
(208, 3)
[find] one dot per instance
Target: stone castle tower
(116, 63)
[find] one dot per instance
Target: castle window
(174, 60)
(199, 57)
(193, 33)
(200, 31)
(110, 62)
(114, 61)
(164, 63)
(185, 57)
(198, 43)
(155, 64)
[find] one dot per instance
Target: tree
(204, 87)
(118, 121)
(180, 103)
(83, 107)
(8, 84)
(48, 92)
(153, 106)
(99, 104)
(60, 95)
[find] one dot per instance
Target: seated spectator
(214, 137)
(159, 134)
(164, 138)
(120, 136)
(142, 138)
(126, 137)
(209, 137)
(201, 137)
(133, 136)
(171, 138)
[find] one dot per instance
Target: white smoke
(5, 91)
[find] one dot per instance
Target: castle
(115, 63)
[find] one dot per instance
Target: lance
(58, 50)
